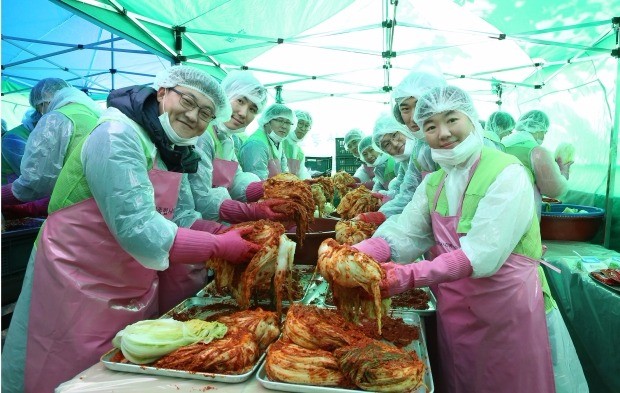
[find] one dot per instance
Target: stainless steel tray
(305, 274)
(317, 294)
(164, 372)
(417, 345)
(194, 307)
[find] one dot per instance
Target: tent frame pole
(613, 143)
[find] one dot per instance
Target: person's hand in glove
(564, 157)
(371, 217)
(254, 191)
(36, 208)
(375, 247)
(234, 211)
(192, 246)
(232, 247)
(446, 267)
(383, 198)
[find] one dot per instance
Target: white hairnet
(533, 121)
(423, 76)
(387, 124)
(365, 143)
(197, 80)
(500, 123)
(45, 89)
(442, 99)
(354, 135)
(244, 84)
(303, 115)
(275, 111)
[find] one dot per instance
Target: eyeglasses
(302, 125)
(205, 113)
(283, 121)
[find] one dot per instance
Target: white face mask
(409, 146)
(419, 134)
(275, 137)
(451, 157)
(164, 119)
(292, 136)
(222, 127)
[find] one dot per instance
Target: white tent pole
(613, 143)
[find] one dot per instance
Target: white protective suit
(255, 154)
(410, 171)
(47, 146)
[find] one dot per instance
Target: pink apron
(274, 167)
(179, 281)
(370, 171)
(293, 165)
(492, 331)
(85, 289)
(224, 172)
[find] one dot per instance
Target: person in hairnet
(524, 143)
(364, 174)
(220, 187)
(476, 218)
(68, 116)
(14, 145)
(500, 123)
(295, 157)
(402, 138)
(121, 212)
(383, 165)
(262, 153)
(550, 179)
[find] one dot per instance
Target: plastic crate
(16, 248)
(348, 164)
(341, 149)
(319, 164)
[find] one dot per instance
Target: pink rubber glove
(369, 184)
(254, 191)
(447, 267)
(208, 226)
(371, 217)
(36, 208)
(381, 197)
(235, 212)
(7, 196)
(375, 247)
(192, 246)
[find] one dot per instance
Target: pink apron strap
(293, 165)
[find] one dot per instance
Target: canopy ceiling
(362, 48)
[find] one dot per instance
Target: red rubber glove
(235, 212)
(371, 217)
(254, 191)
(36, 208)
(7, 196)
(447, 267)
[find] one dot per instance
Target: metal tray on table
(419, 346)
(305, 280)
(318, 293)
(195, 307)
(164, 372)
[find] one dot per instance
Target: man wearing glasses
(122, 240)
(295, 157)
(262, 153)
